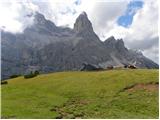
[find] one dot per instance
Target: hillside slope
(103, 94)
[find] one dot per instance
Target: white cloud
(61, 13)
(144, 30)
(14, 15)
(142, 34)
(152, 53)
(145, 22)
(102, 14)
(64, 12)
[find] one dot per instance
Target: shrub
(4, 82)
(36, 72)
(31, 75)
(110, 67)
(14, 76)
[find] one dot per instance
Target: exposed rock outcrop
(48, 48)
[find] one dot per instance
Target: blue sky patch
(77, 2)
(126, 19)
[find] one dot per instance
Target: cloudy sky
(136, 21)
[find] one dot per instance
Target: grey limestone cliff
(48, 48)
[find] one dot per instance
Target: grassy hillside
(103, 94)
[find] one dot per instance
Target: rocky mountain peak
(120, 42)
(112, 43)
(82, 23)
(120, 46)
(39, 18)
(48, 48)
(84, 13)
(110, 40)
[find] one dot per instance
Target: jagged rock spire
(39, 18)
(82, 23)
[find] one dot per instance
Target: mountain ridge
(48, 48)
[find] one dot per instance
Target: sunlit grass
(35, 97)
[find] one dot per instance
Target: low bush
(31, 75)
(36, 72)
(4, 82)
(14, 76)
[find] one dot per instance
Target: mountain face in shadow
(48, 48)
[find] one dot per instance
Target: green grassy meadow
(101, 94)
